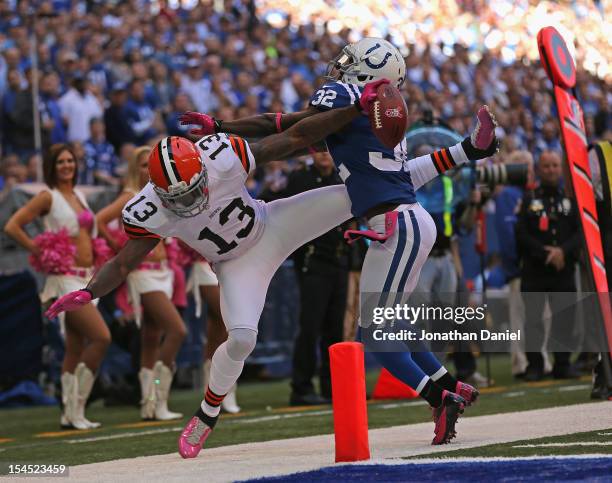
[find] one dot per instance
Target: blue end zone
(540, 469)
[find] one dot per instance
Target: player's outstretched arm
(481, 144)
(303, 134)
(314, 128)
(108, 277)
(253, 126)
(116, 269)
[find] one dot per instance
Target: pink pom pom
(57, 252)
(102, 252)
(86, 219)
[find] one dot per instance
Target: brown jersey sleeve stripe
(136, 232)
(236, 148)
(246, 162)
(142, 235)
(240, 150)
(135, 228)
(445, 159)
(437, 163)
(231, 138)
(450, 157)
(133, 234)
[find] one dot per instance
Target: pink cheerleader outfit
(62, 215)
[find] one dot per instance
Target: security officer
(548, 239)
(322, 268)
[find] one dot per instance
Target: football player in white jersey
(196, 193)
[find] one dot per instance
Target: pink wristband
(279, 128)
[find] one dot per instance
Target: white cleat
(230, 403)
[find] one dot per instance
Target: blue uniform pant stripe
(416, 244)
(397, 256)
(399, 251)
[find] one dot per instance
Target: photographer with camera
(548, 238)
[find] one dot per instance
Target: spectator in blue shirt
(549, 140)
(182, 103)
(118, 128)
(139, 114)
(49, 90)
(8, 105)
(100, 159)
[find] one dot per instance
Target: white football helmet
(368, 60)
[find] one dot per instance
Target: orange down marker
(388, 387)
(346, 362)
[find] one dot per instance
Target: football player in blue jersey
(381, 183)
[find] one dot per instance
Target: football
(389, 116)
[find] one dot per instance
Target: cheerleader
(64, 209)
(150, 289)
(205, 286)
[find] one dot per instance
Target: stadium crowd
(116, 75)
(137, 65)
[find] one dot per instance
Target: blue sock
(401, 365)
(430, 364)
(399, 362)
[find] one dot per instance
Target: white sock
(224, 372)
(438, 374)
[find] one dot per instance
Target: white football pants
(289, 224)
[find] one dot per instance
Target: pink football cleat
(445, 417)
(484, 132)
(467, 392)
(193, 437)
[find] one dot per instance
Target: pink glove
(206, 122)
(70, 301)
(484, 132)
(368, 96)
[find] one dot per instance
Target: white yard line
(132, 434)
(279, 416)
(565, 445)
(577, 387)
(419, 402)
(253, 460)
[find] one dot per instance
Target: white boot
(229, 403)
(147, 391)
(85, 381)
(162, 379)
(70, 401)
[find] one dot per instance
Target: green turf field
(33, 434)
